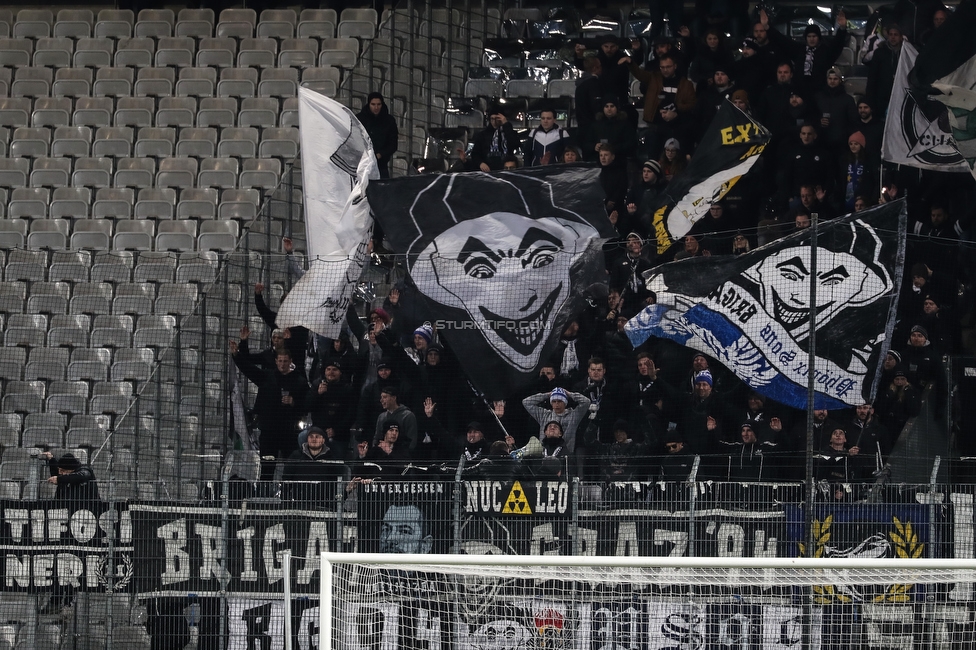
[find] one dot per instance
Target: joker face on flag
(752, 312)
(500, 261)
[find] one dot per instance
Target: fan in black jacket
(382, 130)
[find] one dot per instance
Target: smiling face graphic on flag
(510, 273)
(499, 262)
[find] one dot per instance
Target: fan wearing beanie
(856, 175)
(75, 481)
(813, 56)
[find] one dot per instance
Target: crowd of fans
(390, 391)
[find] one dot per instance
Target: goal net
(490, 602)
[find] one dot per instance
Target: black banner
(728, 150)
(199, 550)
(500, 260)
(405, 517)
(751, 311)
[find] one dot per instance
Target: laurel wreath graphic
(124, 573)
(907, 545)
(903, 538)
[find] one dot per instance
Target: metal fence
(211, 573)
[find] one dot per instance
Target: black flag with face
(500, 260)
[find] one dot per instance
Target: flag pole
(811, 388)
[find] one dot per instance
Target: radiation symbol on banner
(516, 503)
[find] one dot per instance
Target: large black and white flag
(924, 133)
(500, 260)
(337, 165)
(728, 150)
(752, 312)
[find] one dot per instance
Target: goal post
(508, 602)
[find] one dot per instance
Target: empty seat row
(196, 23)
(35, 82)
(130, 235)
(118, 266)
(196, 169)
(158, 142)
(88, 365)
(123, 203)
(164, 112)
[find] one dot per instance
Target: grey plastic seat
(70, 202)
(112, 331)
(113, 82)
(196, 82)
(134, 299)
(111, 397)
(176, 111)
(133, 235)
(29, 330)
(51, 111)
(32, 82)
(46, 366)
(93, 53)
(289, 112)
(195, 23)
(135, 111)
(238, 142)
(154, 141)
(277, 23)
(217, 111)
(317, 23)
(26, 265)
(324, 80)
(198, 203)
(93, 299)
(13, 234)
(155, 204)
(74, 23)
(16, 52)
(112, 142)
(12, 296)
(70, 266)
(218, 236)
(14, 111)
(112, 266)
(71, 141)
(114, 203)
(33, 23)
(218, 172)
(135, 172)
(72, 82)
(29, 202)
(339, 52)
(50, 172)
(69, 330)
(92, 172)
(48, 233)
(261, 173)
(237, 82)
(197, 142)
(175, 51)
(135, 52)
(53, 52)
(176, 236)
(114, 23)
(257, 53)
(237, 23)
(154, 82)
(217, 52)
(30, 142)
(155, 23)
(279, 143)
(177, 299)
(278, 82)
(200, 267)
(12, 361)
(239, 204)
(298, 52)
(92, 234)
(92, 111)
(259, 111)
(176, 172)
(158, 266)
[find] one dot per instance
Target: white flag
(337, 164)
(911, 137)
(959, 95)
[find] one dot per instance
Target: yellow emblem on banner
(516, 503)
